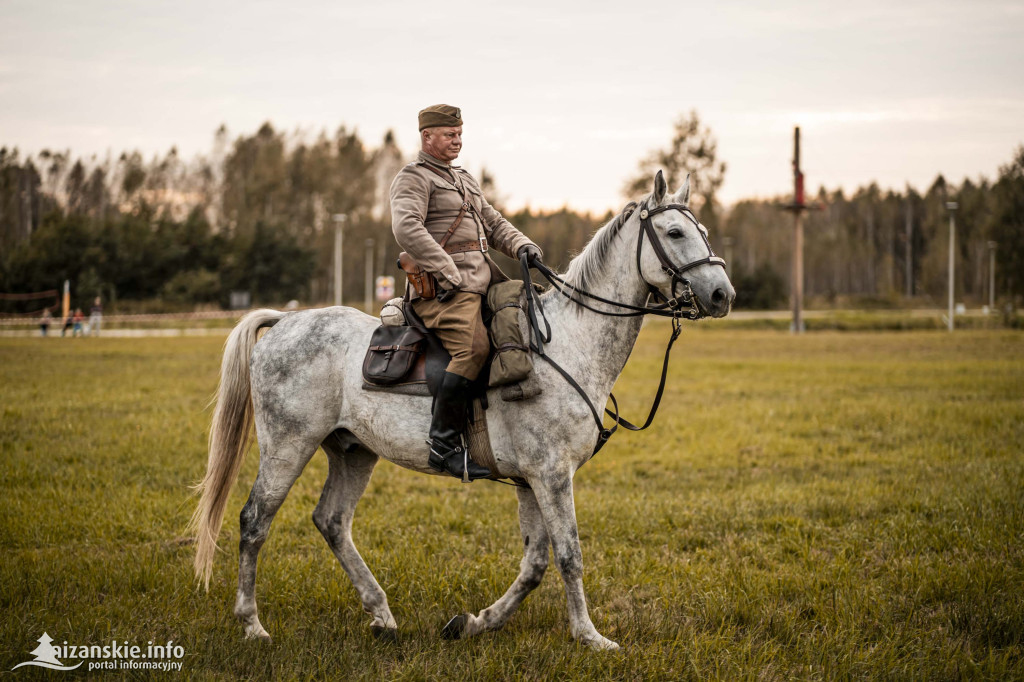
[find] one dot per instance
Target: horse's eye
(675, 233)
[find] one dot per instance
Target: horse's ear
(660, 188)
(683, 195)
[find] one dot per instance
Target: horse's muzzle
(720, 302)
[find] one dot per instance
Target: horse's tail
(230, 435)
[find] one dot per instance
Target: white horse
(305, 383)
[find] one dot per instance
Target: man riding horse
(441, 219)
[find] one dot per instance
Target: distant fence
(34, 296)
(50, 293)
(21, 320)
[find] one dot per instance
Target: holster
(422, 282)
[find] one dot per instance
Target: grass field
(831, 506)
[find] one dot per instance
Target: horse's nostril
(718, 296)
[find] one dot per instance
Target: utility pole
(339, 226)
(796, 285)
(951, 206)
(368, 294)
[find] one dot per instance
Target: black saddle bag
(392, 353)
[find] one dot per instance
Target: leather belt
(472, 245)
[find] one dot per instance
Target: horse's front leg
(555, 499)
(531, 570)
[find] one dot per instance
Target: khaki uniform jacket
(424, 205)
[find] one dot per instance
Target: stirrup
(442, 463)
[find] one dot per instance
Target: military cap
(440, 115)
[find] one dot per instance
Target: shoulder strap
(438, 171)
(462, 211)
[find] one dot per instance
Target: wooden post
(798, 206)
(797, 288)
(797, 283)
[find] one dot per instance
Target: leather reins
(666, 307)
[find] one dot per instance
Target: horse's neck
(599, 345)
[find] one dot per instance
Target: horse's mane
(585, 268)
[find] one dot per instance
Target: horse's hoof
(261, 636)
(455, 627)
(385, 635)
(602, 644)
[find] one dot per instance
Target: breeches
(458, 324)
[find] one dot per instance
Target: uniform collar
(427, 158)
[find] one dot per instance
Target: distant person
(95, 317)
(77, 321)
(44, 322)
(68, 322)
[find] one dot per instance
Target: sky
(560, 99)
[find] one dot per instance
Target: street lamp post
(727, 243)
(909, 237)
(992, 276)
(368, 296)
(951, 206)
(339, 226)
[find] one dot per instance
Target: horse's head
(676, 251)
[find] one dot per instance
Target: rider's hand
(532, 253)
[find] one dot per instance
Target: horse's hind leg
(350, 466)
(279, 467)
(531, 570)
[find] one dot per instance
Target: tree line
(258, 214)
(886, 245)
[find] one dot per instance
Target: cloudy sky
(560, 98)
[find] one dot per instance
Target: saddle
(423, 360)
(420, 369)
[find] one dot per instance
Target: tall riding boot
(447, 453)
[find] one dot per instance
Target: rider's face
(443, 143)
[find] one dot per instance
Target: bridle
(682, 294)
(681, 305)
(685, 297)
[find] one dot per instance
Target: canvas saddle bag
(511, 361)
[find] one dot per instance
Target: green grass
(836, 505)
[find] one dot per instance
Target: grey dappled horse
(305, 382)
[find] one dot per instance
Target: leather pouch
(392, 353)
